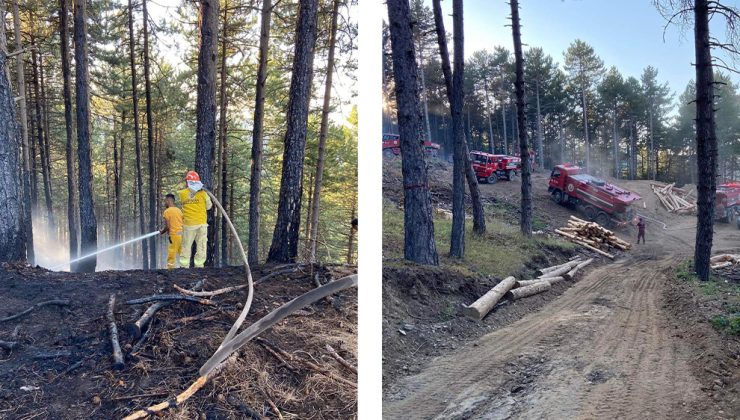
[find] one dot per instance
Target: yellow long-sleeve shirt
(194, 207)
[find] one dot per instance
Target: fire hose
(232, 342)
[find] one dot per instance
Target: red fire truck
(727, 203)
(490, 168)
(392, 146)
(605, 203)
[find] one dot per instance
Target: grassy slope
(501, 252)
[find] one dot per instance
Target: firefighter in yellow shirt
(172, 225)
(195, 202)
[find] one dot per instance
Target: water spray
(140, 238)
(665, 226)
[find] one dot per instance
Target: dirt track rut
(602, 349)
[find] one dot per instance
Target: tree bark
(352, 230)
(615, 141)
(706, 141)
(222, 134)
(284, 247)
(324, 128)
(526, 205)
(479, 220)
(12, 231)
(150, 141)
(72, 219)
(533, 289)
(257, 133)
(540, 140)
(40, 134)
(585, 128)
(88, 225)
(481, 307)
(29, 200)
(419, 245)
(205, 108)
(137, 137)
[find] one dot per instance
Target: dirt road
(605, 348)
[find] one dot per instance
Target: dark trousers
(640, 235)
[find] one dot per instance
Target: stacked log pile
(592, 236)
(675, 200)
(724, 260)
(513, 289)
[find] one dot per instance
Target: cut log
(530, 290)
(598, 251)
(156, 298)
(560, 271)
(134, 329)
(570, 274)
(554, 280)
(481, 307)
(722, 265)
(555, 267)
(113, 330)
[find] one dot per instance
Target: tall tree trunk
(150, 140)
(116, 189)
(651, 152)
(489, 113)
(205, 108)
(137, 136)
(585, 128)
(503, 118)
(418, 240)
(424, 91)
(706, 141)
(479, 219)
(633, 150)
(561, 138)
(323, 130)
(40, 136)
(29, 199)
(223, 143)
(284, 247)
(12, 231)
(47, 132)
(257, 133)
(540, 140)
(88, 225)
(526, 220)
(615, 140)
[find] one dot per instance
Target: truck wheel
(603, 219)
(492, 179)
(590, 212)
(388, 153)
(509, 175)
(557, 195)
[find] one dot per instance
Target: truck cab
(727, 202)
(490, 168)
(392, 146)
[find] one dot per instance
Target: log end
(118, 365)
(471, 313)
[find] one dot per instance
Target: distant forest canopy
(637, 127)
(173, 121)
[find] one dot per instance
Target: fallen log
(155, 298)
(113, 330)
(134, 329)
(555, 267)
(724, 257)
(560, 271)
(530, 290)
(52, 354)
(481, 307)
(722, 265)
(211, 293)
(525, 283)
(554, 280)
(57, 302)
(606, 254)
(570, 274)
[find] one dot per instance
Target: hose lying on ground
(227, 348)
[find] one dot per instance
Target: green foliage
(728, 324)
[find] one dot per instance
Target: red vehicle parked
(605, 203)
(727, 202)
(490, 167)
(392, 146)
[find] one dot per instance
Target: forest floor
(61, 366)
(631, 338)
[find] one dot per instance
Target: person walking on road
(195, 204)
(173, 226)
(641, 230)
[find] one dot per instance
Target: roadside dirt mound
(80, 383)
(422, 319)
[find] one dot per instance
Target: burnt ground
(629, 338)
(80, 381)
